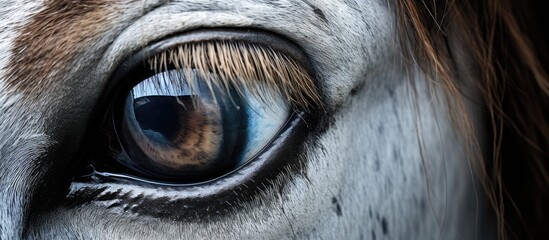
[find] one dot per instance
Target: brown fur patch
(52, 40)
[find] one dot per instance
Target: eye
(191, 112)
(171, 131)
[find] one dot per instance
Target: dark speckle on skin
(373, 235)
(384, 226)
(356, 89)
(380, 129)
(396, 155)
(376, 163)
(391, 92)
(422, 205)
(320, 14)
(395, 111)
(337, 206)
(317, 11)
(352, 4)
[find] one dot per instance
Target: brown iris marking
(197, 143)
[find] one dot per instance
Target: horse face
(374, 161)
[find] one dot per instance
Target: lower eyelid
(251, 180)
(161, 204)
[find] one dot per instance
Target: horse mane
(506, 43)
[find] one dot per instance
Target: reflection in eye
(198, 111)
(174, 131)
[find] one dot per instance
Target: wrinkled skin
(362, 174)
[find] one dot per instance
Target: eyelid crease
(244, 67)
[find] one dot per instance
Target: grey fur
(365, 175)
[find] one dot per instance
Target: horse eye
(186, 113)
(172, 131)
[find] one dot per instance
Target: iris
(176, 125)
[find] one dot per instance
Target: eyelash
(243, 67)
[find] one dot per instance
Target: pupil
(160, 114)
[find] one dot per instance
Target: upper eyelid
(126, 41)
